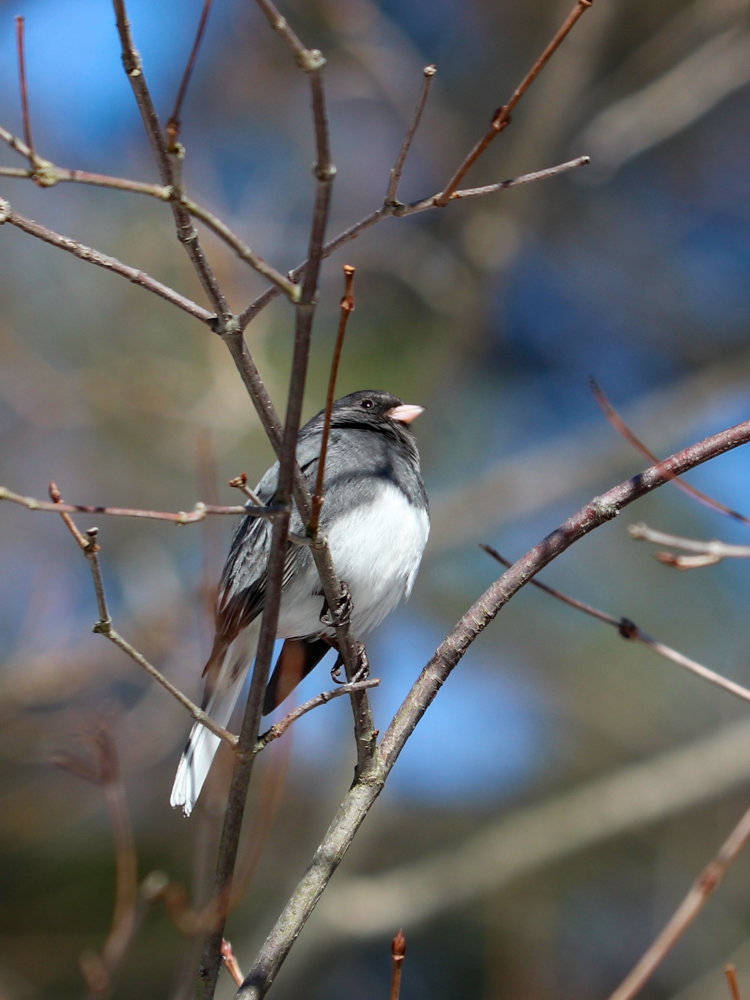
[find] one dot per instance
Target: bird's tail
(202, 745)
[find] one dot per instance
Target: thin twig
(308, 60)
(366, 789)
(622, 428)
(629, 630)
(8, 214)
(104, 626)
(501, 118)
(702, 889)
(24, 89)
(734, 987)
(398, 167)
(47, 174)
(707, 553)
(398, 951)
(323, 698)
(240, 483)
(347, 307)
(233, 966)
(174, 125)
(396, 210)
(198, 513)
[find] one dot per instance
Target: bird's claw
(342, 614)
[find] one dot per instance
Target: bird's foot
(336, 670)
(363, 664)
(341, 615)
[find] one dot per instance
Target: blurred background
(566, 786)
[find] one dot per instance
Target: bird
(375, 515)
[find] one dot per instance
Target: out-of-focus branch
(734, 988)
(703, 888)
(525, 839)
(669, 104)
(230, 961)
(629, 630)
(366, 789)
(501, 118)
(707, 553)
(622, 428)
(199, 513)
(99, 970)
(8, 214)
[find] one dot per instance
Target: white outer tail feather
(200, 751)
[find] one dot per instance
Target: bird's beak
(405, 413)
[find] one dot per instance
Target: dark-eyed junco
(375, 516)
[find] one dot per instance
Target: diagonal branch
(395, 210)
(501, 118)
(365, 791)
(702, 889)
(622, 428)
(186, 232)
(705, 553)
(174, 124)
(629, 630)
(398, 167)
(80, 250)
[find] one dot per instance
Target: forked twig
(629, 630)
(398, 167)
(323, 698)
(174, 124)
(706, 553)
(702, 889)
(501, 118)
(199, 513)
(104, 627)
(619, 424)
(347, 308)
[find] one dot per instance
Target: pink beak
(405, 413)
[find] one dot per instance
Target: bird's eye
(367, 404)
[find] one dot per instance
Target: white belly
(376, 550)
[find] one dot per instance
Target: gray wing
(243, 582)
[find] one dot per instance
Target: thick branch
(366, 789)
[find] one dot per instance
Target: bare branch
(233, 966)
(398, 167)
(347, 307)
(629, 630)
(174, 124)
(80, 250)
(703, 888)
(386, 211)
(398, 951)
(24, 89)
(501, 118)
(186, 232)
(199, 512)
(365, 790)
(619, 424)
(308, 60)
(731, 973)
(323, 698)
(707, 553)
